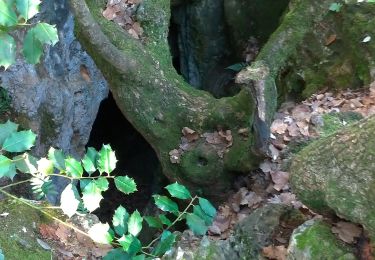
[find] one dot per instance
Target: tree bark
(159, 103)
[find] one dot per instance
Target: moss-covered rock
(334, 121)
(314, 240)
(18, 232)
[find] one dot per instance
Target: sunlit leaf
(7, 16)
(7, 50)
(9, 127)
(91, 196)
(26, 163)
(125, 184)
(107, 159)
(27, 8)
(69, 201)
(100, 233)
(45, 166)
(166, 204)
(102, 183)
(46, 33)
(196, 224)
(32, 47)
(89, 160)
(130, 244)
(135, 223)
(120, 220)
(178, 191)
(57, 157)
(5, 164)
(73, 168)
(19, 141)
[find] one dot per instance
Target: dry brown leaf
(274, 152)
(331, 39)
(280, 179)
(302, 113)
(278, 126)
(85, 73)
(347, 231)
(293, 130)
(190, 134)
(275, 252)
(303, 128)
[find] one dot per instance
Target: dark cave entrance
(135, 158)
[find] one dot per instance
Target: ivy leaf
(91, 196)
(73, 168)
(69, 202)
(57, 157)
(46, 33)
(163, 218)
(130, 244)
(100, 233)
(125, 184)
(165, 204)
(9, 127)
(119, 220)
(89, 160)
(207, 207)
(196, 224)
(200, 213)
(5, 164)
(135, 223)
(107, 160)
(178, 191)
(26, 163)
(27, 8)
(45, 166)
(102, 183)
(7, 16)
(153, 222)
(32, 47)
(166, 242)
(19, 141)
(116, 254)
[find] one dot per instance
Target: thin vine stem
(14, 184)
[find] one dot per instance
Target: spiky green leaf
(102, 183)
(125, 184)
(163, 218)
(19, 141)
(154, 222)
(7, 50)
(107, 159)
(46, 33)
(91, 196)
(178, 191)
(9, 127)
(5, 164)
(166, 204)
(200, 213)
(26, 163)
(135, 223)
(116, 254)
(57, 157)
(45, 166)
(32, 47)
(69, 200)
(166, 242)
(27, 8)
(130, 244)
(7, 16)
(73, 168)
(101, 233)
(120, 220)
(196, 224)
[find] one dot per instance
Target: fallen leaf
(280, 179)
(190, 134)
(278, 126)
(85, 73)
(275, 252)
(347, 231)
(330, 39)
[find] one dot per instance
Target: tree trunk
(337, 173)
(159, 103)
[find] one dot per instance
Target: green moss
(18, 232)
(5, 101)
(335, 121)
(318, 240)
(48, 126)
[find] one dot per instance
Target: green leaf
(196, 224)
(178, 191)
(7, 50)
(57, 157)
(163, 218)
(102, 183)
(107, 160)
(200, 213)
(5, 164)
(89, 160)
(153, 222)
(125, 184)
(166, 242)
(69, 200)
(207, 207)
(19, 141)
(43, 186)
(7, 16)
(135, 223)
(9, 127)
(119, 220)
(45, 166)
(91, 196)
(11, 172)
(73, 168)
(32, 47)
(100, 233)
(26, 163)
(335, 7)
(46, 33)
(237, 67)
(117, 254)
(166, 204)
(130, 244)
(27, 8)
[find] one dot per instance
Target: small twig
(14, 184)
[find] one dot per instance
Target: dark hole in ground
(135, 158)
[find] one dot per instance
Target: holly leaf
(9, 127)
(27, 8)
(26, 163)
(153, 222)
(107, 160)
(166, 204)
(130, 244)
(207, 207)
(89, 160)
(196, 224)
(135, 223)
(166, 242)
(125, 184)
(7, 50)
(100, 233)
(102, 183)
(91, 196)
(57, 157)
(7, 16)
(165, 220)
(69, 200)
(73, 168)
(32, 47)
(117, 253)
(335, 7)
(119, 220)
(45, 166)
(200, 213)
(178, 191)
(46, 33)
(19, 141)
